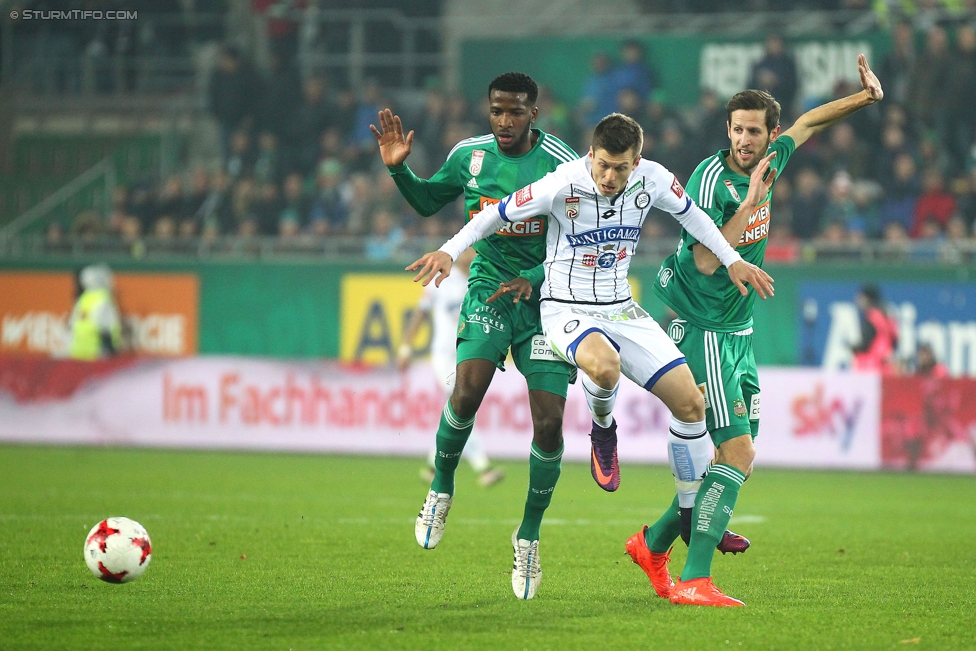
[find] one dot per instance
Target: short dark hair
(515, 82)
(618, 134)
(755, 100)
(872, 293)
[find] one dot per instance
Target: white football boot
(430, 522)
(526, 571)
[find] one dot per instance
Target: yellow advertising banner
(375, 311)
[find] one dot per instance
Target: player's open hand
(434, 266)
(394, 147)
(759, 186)
(519, 288)
(869, 80)
(742, 272)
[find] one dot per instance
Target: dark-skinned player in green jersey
(714, 332)
(486, 169)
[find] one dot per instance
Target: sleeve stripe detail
(557, 153)
(709, 178)
(552, 142)
(687, 204)
(502, 207)
(471, 142)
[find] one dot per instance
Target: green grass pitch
(839, 560)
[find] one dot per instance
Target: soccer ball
(118, 550)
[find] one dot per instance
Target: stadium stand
(287, 163)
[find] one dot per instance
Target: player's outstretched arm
(742, 273)
(394, 146)
(818, 119)
(759, 184)
(435, 266)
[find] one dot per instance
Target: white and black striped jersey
(591, 238)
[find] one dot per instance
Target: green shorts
(724, 368)
(489, 330)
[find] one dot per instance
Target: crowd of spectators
(298, 159)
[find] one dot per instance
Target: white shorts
(445, 369)
(646, 351)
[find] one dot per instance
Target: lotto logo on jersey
(758, 228)
(677, 189)
(527, 228)
(523, 196)
(477, 160)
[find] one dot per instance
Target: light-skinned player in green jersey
(486, 169)
(714, 332)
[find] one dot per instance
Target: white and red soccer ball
(118, 550)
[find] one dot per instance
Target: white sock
(474, 452)
(689, 453)
(600, 400)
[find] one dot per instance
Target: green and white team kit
(485, 175)
(714, 331)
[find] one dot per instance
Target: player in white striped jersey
(443, 306)
(597, 206)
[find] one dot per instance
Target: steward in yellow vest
(96, 329)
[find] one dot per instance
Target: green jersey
(714, 302)
(485, 175)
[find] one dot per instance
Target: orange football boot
(655, 565)
(701, 592)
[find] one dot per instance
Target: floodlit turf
(839, 560)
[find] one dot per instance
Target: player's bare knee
(547, 436)
(465, 400)
(605, 370)
(691, 408)
(739, 453)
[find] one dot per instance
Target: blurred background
(216, 156)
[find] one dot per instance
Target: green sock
(662, 534)
(713, 509)
(451, 436)
(544, 470)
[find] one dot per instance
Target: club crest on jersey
(677, 189)
(642, 200)
(731, 187)
(605, 260)
(739, 408)
(604, 235)
(523, 196)
(572, 207)
(477, 160)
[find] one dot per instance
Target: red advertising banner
(160, 312)
(810, 417)
(928, 423)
